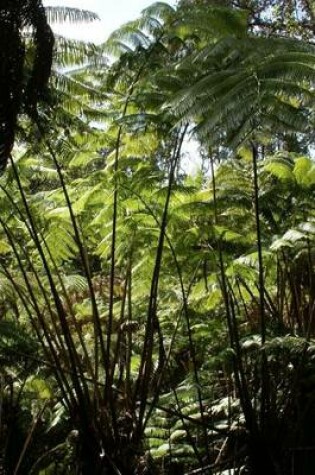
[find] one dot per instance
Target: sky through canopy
(112, 13)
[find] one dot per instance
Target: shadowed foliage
(24, 73)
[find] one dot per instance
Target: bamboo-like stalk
(99, 340)
(259, 245)
(45, 294)
(80, 386)
(265, 378)
(28, 439)
(152, 323)
(50, 338)
(256, 441)
(184, 311)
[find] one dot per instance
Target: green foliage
(161, 320)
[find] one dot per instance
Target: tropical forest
(157, 241)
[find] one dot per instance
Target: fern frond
(70, 15)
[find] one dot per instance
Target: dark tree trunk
(262, 461)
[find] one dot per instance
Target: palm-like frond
(69, 53)
(142, 33)
(69, 15)
(212, 21)
(247, 85)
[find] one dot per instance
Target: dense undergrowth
(153, 321)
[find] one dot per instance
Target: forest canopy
(153, 320)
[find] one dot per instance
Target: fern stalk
(64, 387)
(152, 323)
(256, 443)
(84, 260)
(45, 295)
(81, 390)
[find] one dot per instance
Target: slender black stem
(264, 403)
